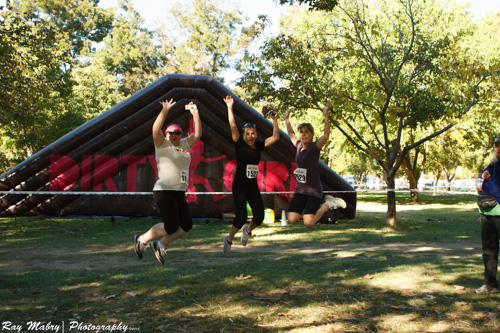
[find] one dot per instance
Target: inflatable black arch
(106, 166)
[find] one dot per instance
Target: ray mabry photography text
(71, 326)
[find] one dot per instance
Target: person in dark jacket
(490, 220)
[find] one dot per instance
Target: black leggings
(490, 235)
(244, 191)
(174, 210)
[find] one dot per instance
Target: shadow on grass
(353, 276)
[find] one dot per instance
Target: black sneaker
(158, 251)
(139, 247)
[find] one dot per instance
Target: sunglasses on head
(249, 125)
(175, 132)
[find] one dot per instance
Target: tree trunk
(413, 189)
(390, 219)
(436, 180)
(413, 180)
(413, 170)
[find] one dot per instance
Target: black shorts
(174, 210)
(304, 204)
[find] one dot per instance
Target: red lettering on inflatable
(131, 161)
(194, 179)
(86, 172)
(152, 161)
(64, 173)
(260, 176)
(276, 175)
(229, 170)
(105, 166)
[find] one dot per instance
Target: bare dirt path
(26, 257)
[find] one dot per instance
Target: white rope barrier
(133, 193)
(219, 193)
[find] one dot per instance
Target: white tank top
(173, 166)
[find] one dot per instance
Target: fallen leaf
(368, 276)
(131, 294)
(461, 303)
(459, 287)
(112, 320)
(396, 306)
(242, 277)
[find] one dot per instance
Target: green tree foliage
(32, 86)
(468, 145)
(40, 44)
(391, 70)
(326, 5)
(129, 54)
(75, 24)
(212, 39)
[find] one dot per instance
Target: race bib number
(300, 175)
(184, 177)
(252, 171)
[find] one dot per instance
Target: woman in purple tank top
(307, 201)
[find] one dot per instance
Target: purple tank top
(307, 172)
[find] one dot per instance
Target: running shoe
(486, 289)
(244, 235)
(334, 203)
(159, 251)
(139, 247)
(226, 249)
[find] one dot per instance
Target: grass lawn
(357, 275)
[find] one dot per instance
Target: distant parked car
(425, 184)
(467, 185)
(402, 184)
(349, 179)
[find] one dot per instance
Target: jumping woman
(248, 153)
(307, 201)
(169, 191)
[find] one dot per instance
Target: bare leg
(251, 227)
(232, 232)
(310, 219)
(156, 231)
(293, 217)
(170, 238)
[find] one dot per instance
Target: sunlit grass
(357, 275)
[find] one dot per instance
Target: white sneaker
(486, 289)
(159, 251)
(244, 235)
(226, 249)
(334, 203)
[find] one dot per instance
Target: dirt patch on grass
(19, 258)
